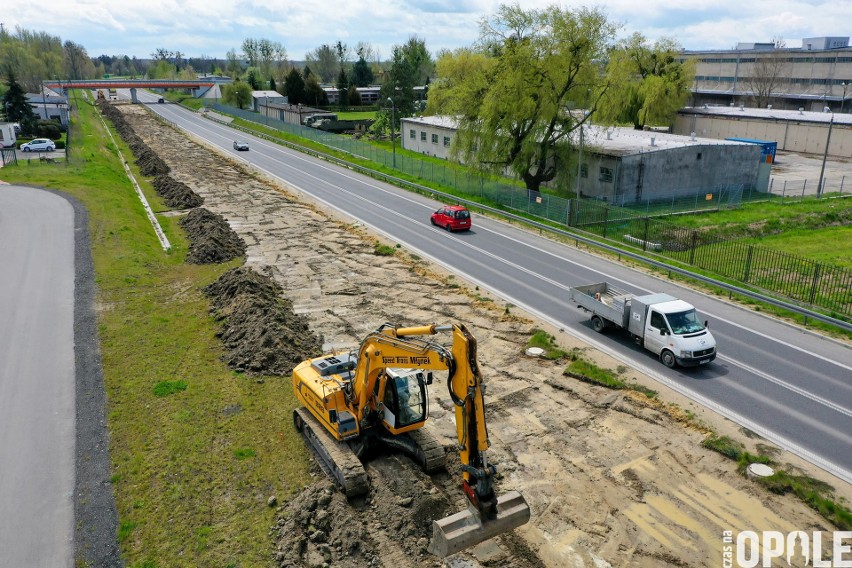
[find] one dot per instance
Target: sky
(210, 28)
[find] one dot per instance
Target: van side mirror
(706, 324)
(429, 378)
(664, 332)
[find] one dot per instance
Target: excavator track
(420, 445)
(335, 457)
(431, 452)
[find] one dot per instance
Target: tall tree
(647, 83)
(17, 106)
(362, 75)
(314, 95)
(251, 51)
(418, 57)
(294, 87)
(511, 94)
(768, 74)
(343, 89)
(399, 84)
(233, 67)
(324, 62)
(77, 62)
(237, 93)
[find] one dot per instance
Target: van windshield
(684, 322)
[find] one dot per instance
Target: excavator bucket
(465, 529)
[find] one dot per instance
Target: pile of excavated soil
(260, 331)
(612, 478)
(150, 164)
(175, 193)
(320, 528)
(211, 238)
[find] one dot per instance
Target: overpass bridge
(198, 87)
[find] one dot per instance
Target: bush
(48, 129)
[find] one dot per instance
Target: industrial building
(623, 165)
(814, 76)
(807, 132)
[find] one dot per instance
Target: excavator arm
(487, 516)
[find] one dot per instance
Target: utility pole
(820, 188)
(393, 139)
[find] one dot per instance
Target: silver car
(240, 145)
(39, 145)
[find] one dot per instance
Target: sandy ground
(612, 479)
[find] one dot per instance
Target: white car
(39, 145)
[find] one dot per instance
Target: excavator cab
(405, 404)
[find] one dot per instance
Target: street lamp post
(393, 120)
(843, 100)
(300, 114)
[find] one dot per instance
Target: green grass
(546, 341)
(816, 494)
(384, 250)
(173, 453)
(801, 227)
(165, 388)
(356, 115)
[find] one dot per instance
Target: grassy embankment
(196, 449)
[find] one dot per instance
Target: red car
(452, 218)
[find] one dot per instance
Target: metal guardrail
(805, 312)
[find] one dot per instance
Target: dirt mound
(175, 193)
(211, 238)
(150, 164)
(260, 331)
(320, 528)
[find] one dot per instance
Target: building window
(423, 136)
(698, 157)
(446, 140)
(605, 175)
(411, 134)
(434, 139)
(584, 170)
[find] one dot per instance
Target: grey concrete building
(623, 165)
(794, 130)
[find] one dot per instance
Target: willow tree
(649, 82)
(512, 92)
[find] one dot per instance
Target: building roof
(771, 114)
(610, 141)
(267, 94)
(447, 122)
(623, 141)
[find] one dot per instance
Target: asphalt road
(788, 385)
(37, 378)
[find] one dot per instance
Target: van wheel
(668, 359)
(448, 228)
(598, 324)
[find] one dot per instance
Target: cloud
(212, 27)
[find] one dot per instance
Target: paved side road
(54, 465)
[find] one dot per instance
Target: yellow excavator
(377, 397)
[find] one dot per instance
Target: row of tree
(520, 92)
